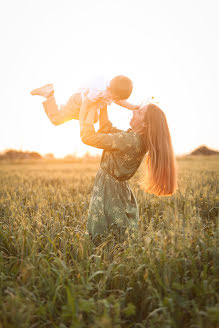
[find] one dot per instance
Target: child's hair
(160, 160)
(121, 87)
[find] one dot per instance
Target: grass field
(51, 275)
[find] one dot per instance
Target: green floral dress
(112, 201)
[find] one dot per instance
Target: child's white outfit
(71, 109)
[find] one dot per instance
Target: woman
(112, 201)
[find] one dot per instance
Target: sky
(168, 48)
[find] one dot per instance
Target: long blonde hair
(160, 178)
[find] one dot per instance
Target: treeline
(13, 154)
(203, 150)
(18, 154)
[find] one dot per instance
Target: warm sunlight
(174, 60)
(109, 163)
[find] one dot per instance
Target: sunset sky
(168, 48)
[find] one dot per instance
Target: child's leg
(66, 112)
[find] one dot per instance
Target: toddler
(117, 90)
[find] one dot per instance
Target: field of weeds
(52, 275)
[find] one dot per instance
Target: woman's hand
(84, 109)
(103, 117)
(87, 111)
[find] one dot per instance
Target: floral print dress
(112, 201)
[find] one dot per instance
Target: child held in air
(116, 90)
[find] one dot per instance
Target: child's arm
(126, 104)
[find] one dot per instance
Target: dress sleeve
(119, 141)
(108, 128)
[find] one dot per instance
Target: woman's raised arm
(103, 117)
(109, 141)
(105, 126)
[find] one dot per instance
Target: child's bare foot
(45, 91)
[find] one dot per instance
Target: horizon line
(76, 154)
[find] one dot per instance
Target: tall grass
(52, 275)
